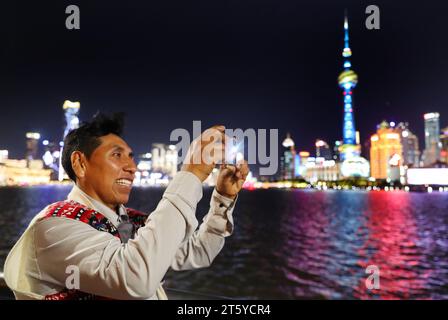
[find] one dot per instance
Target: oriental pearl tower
(347, 81)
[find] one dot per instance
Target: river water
(298, 244)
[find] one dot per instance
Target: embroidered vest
(76, 211)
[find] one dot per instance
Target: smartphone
(231, 151)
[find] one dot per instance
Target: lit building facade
(427, 176)
(51, 157)
(288, 167)
(323, 150)
(386, 153)
(319, 169)
(32, 145)
(336, 150)
(301, 161)
(347, 81)
(164, 159)
(23, 172)
(431, 154)
(71, 110)
(409, 142)
(444, 143)
(356, 167)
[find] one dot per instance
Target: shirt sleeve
(203, 246)
(106, 266)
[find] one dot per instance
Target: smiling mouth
(124, 182)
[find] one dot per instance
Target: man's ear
(78, 160)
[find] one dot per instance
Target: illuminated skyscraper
(301, 161)
(51, 157)
(347, 81)
(444, 142)
(337, 150)
(386, 153)
(409, 141)
(288, 170)
(431, 153)
(71, 110)
(432, 129)
(323, 150)
(32, 145)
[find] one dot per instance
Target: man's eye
(116, 154)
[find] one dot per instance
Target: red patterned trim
(76, 211)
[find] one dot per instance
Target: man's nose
(131, 167)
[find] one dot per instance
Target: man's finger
(238, 174)
(215, 133)
(219, 127)
(212, 135)
(240, 183)
(228, 170)
(243, 167)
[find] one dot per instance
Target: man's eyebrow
(116, 147)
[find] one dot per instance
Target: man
(92, 247)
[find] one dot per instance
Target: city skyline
(269, 66)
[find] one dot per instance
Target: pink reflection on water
(307, 244)
(391, 245)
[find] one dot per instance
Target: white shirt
(37, 264)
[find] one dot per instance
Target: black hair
(86, 138)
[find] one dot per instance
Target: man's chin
(123, 200)
(120, 200)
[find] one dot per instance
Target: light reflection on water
(294, 244)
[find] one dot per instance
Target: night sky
(241, 63)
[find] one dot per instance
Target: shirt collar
(83, 198)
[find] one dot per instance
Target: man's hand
(205, 152)
(231, 179)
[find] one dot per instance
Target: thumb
(228, 170)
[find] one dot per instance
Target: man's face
(109, 172)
